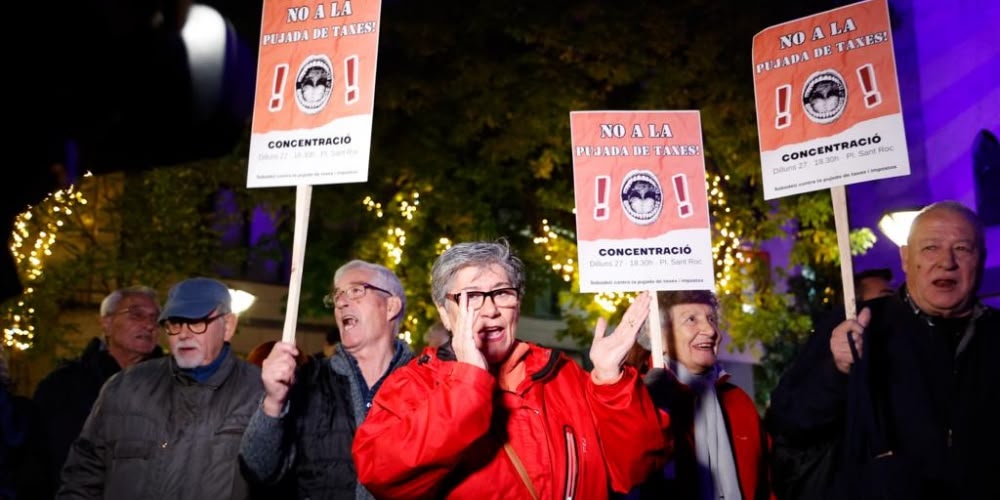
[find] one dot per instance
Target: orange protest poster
(642, 220)
(827, 96)
(315, 92)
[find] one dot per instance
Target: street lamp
(205, 34)
(241, 300)
(896, 225)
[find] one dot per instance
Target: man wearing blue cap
(171, 427)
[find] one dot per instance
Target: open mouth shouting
(945, 284)
(492, 334)
(348, 321)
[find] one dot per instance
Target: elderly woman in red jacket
(720, 447)
(489, 416)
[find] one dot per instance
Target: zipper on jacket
(572, 462)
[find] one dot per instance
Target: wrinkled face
(132, 328)
(941, 262)
(494, 327)
(192, 350)
(696, 338)
(365, 320)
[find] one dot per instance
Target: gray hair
(382, 277)
(477, 254)
(110, 303)
(966, 213)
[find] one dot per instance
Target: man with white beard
(171, 427)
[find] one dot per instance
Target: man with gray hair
(905, 391)
(299, 440)
(64, 397)
(171, 427)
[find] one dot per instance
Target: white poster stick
(653, 328)
(839, 196)
(303, 198)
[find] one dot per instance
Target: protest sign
(828, 108)
(315, 96)
(642, 218)
(313, 107)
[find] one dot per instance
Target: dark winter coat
(934, 402)
(155, 432)
(307, 450)
(63, 400)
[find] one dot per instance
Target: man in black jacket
(925, 429)
(301, 434)
(64, 397)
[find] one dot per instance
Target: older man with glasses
(171, 428)
(64, 397)
(299, 440)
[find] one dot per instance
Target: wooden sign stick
(839, 196)
(303, 198)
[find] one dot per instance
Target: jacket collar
(535, 362)
(226, 365)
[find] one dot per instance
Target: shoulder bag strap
(520, 469)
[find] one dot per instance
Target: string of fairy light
(727, 249)
(394, 243)
(30, 251)
(559, 250)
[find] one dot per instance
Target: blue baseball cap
(196, 298)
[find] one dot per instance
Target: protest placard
(312, 118)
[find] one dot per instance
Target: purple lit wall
(948, 65)
(271, 267)
(268, 262)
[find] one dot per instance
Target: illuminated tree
(484, 138)
(35, 234)
(117, 230)
(472, 141)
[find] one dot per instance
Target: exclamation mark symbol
(278, 88)
(684, 208)
(784, 103)
(603, 188)
(352, 93)
(866, 74)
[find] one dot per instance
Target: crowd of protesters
(892, 403)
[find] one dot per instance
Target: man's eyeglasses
(353, 292)
(502, 297)
(138, 314)
(196, 326)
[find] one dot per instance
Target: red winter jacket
(750, 442)
(437, 428)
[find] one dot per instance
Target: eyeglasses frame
(487, 295)
(207, 321)
(127, 312)
(330, 299)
